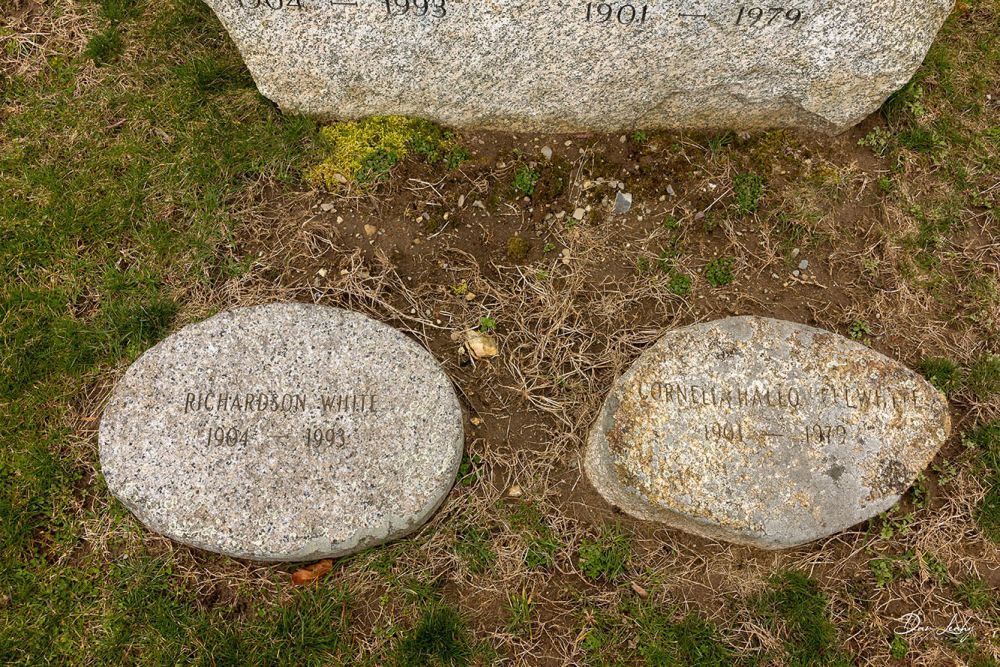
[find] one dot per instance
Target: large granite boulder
(283, 432)
(763, 432)
(570, 65)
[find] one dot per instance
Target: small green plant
(893, 525)
(520, 612)
(898, 647)
(461, 289)
(548, 247)
(487, 324)
(721, 271)
(456, 156)
(937, 570)
(720, 141)
(525, 179)
(892, 568)
(749, 190)
(640, 137)
(605, 557)
(885, 184)
(439, 638)
(468, 470)
(643, 265)
(679, 283)
(665, 260)
(879, 140)
(859, 330)
(919, 492)
(943, 373)
(517, 249)
(474, 547)
(671, 223)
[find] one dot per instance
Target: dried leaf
(480, 345)
(312, 573)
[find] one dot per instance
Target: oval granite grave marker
(283, 432)
(763, 432)
(573, 65)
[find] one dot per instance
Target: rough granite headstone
(571, 65)
(283, 432)
(763, 432)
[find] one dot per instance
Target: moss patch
(363, 152)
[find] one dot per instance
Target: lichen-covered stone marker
(568, 65)
(763, 432)
(283, 432)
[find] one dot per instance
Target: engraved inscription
(624, 14)
(270, 4)
(765, 16)
(314, 436)
(434, 8)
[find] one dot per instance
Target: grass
(985, 439)
(943, 373)
(645, 633)
(439, 639)
(797, 609)
(606, 556)
(140, 176)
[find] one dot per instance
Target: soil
(434, 229)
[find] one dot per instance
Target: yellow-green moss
(363, 152)
(517, 249)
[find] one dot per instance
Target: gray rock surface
(283, 432)
(763, 432)
(569, 65)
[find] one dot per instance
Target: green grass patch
(646, 633)
(541, 543)
(440, 638)
(607, 556)
(114, 201)
(474, 547)
(984, 440)
(796, 609)
(943, 373)
(983, 377)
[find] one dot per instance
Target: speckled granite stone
(763, 432)
(569, 65)
(283, 432)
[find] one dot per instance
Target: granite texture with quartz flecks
(763, 432)
(283, 432)
(544, 65)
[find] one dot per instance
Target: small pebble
(547, 152)
(623, 202)
(804, 264)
